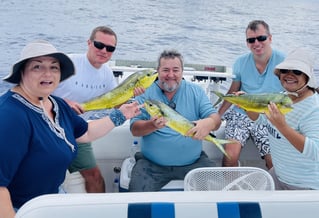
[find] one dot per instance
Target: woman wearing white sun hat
(39, 132)
(294, 138)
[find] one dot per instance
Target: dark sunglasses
(172, 105)
(100, 45)
(259, 38)
(296, 72)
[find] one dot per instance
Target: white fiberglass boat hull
(208, 204)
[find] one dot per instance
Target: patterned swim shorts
(240, 127)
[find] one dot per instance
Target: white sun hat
(299, 59)
(36, 49)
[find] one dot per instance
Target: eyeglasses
(296, 72)
(172, 105)
(100, 45)
(259, 38)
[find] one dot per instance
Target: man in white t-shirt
(93, 78)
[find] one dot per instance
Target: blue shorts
(149, 176)
(240, 127)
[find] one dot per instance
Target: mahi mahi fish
(258, 102)
(123, 92)
(177, 122)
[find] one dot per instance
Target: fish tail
(225, 141)
(220, 97)
(219, 143)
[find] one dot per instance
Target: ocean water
(204, 31)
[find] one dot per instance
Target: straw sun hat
(36, 49)
(299, 59)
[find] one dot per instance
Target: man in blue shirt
(254, 73)
(165, 154)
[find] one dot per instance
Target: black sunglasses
(259, 38)
(296, 72)
(172, 105)
(100, 45)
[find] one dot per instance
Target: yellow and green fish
(258, 102)
(123, 92)
(177, 122)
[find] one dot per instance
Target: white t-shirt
(88, 81)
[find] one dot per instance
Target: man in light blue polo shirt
(254, 73)
(165, 154)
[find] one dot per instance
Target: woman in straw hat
(294, 138)
(39, 132)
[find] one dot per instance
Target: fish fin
(219, 143)
(225, 141)
(217, 102)
(220, 98)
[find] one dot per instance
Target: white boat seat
(228, 179)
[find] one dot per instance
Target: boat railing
(206, 71)
(209, 76)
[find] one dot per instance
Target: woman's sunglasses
(100, 46)
(296, 72)
(259, 39)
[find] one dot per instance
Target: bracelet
(117, 117)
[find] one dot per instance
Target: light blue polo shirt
(165, 146)
(251, 80)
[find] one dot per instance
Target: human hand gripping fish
(201, 128)
(165, 115)
(276, 117)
